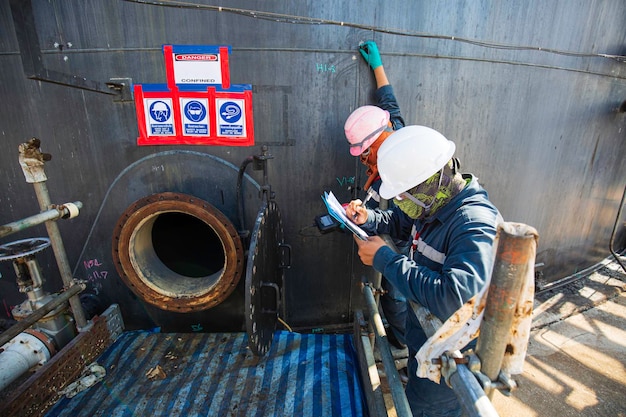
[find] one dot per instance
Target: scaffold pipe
(67, 210)
(395, 385)
(516, 244)
(32, 162)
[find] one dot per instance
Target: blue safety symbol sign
(160, 111)
(160, 122)
(231, 120)
(194, 116)
(230, 112)
(194, 110)
(198, 105)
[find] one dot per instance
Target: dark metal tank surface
(176, 259)
(531, 92)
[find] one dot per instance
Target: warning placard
(198, 64)
(197, 105)
(159, 121)
(194, 114)
(231, 119)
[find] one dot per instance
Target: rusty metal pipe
(167, 287)
(32, 163)
(515, 247)
(38, 314)
(60, 255)
(62, 212)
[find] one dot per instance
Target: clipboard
(336, 210)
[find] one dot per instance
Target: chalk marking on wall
(325, 68)
(345, 180)
(96, 274)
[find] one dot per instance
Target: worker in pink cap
(366, 129)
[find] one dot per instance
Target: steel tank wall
(521, 88)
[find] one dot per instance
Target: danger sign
(197, 65)
(198, 105)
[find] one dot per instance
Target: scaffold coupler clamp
(505, 384)
(375, 291)
(448, 367)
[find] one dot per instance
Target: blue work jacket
(453, 257)
(386, 100)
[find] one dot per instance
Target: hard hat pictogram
(160, 111)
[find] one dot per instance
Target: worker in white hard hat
(366, 129)
(452, 225)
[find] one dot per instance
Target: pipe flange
(160, 244)
(43, 338)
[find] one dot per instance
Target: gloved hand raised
(370, 53)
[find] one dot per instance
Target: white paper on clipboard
(336, 210)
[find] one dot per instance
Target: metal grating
(216, 374)
(36, 394)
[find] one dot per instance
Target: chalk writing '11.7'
(95, 270)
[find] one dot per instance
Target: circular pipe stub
(177, 252)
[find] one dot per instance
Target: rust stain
(499, 297)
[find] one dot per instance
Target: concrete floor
(576, 360)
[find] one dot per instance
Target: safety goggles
(414, 199)
(368, 137)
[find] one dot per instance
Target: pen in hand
(370, 194)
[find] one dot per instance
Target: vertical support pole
(56, 242)
(515, 247)
(32, 161)
(378, 277)
(369, 376)
(395, 385)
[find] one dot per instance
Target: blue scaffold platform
(215, 374)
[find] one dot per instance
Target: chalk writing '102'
(95, 270)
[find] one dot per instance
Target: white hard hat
(409, 156)
(364, 126)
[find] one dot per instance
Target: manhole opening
(187, 245)
(177, 252)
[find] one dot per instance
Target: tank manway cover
(264, 277)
